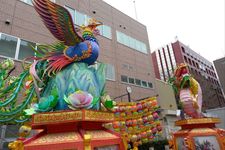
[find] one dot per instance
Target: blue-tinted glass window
(126, 40)
(132, 43)
(79, 19)
(138, 45)
(30, 1)
(144, 48)
(100, 28)
(107, 31)
(120, 37)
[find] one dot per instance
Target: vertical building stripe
(168, 61)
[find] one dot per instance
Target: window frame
(31, 4)
(17, 51)
(17, 45)
(131, 78)
(113, 71)
(122, 80)
(137, 46)
(135, 83)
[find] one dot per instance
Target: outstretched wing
(58, 20)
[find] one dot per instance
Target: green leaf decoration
(66, 100)
(184, 81)
(109, 104)
(30, 111)
(95, 100)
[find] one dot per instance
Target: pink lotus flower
(79, 100)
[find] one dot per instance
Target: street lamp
(129, 90)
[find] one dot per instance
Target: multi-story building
(166, 58)
(220, 69)
(124, 45)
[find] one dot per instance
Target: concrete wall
(168, 107)
(166, 98)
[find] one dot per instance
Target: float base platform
(73, 130)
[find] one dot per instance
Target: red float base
(198, 134)
(73, 130)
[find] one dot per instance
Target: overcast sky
(197, 23)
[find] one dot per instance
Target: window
(110, 72)
(130, 67)
(126, 40)
(82, 19)
(30, 1)
(143, 48)
(107, 31)
(138, 82)
(138, 45)
(15, 47)
(120, 37)
(79, 18)
(193, 63)
(185, 59)
(197, 65)
(25, 50)
(150, 85)
(8, 45)
(131, 80)
(72, 12)
(100, 28)
(124, 78)
(144, 83)
(183, 50)
(131, 42)
(27, 1)
(189, 61)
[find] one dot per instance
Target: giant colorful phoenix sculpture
(61, 76)
(188, 90)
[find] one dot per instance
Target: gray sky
(197, 23)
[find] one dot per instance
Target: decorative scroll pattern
(56, 138)
(100, 134)
(98, 116)
(69, 116)
(197, 121)
(57, 117)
